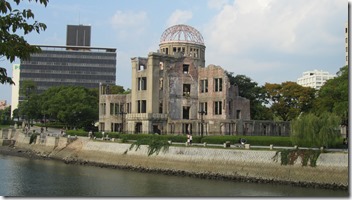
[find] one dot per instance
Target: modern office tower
(78, 35)
(314, 79)
(75, 64)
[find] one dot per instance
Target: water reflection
(25, 177)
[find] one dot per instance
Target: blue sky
(267, 40)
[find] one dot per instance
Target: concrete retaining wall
(332, 168)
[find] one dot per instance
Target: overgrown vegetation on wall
(155, 145)
(290, 156)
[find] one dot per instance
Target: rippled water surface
(26, 177)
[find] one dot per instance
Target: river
(23, 177)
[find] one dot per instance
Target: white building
(15, 89)
(314, 79)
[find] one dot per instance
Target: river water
(48, 178)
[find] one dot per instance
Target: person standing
(190, 139)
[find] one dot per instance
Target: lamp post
(202, 112)
(122, 113)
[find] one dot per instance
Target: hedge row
(253, 140)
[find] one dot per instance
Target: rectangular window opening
(186, 90)
(185, 68)
(185, 113)
(218, 84)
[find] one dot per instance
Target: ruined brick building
(173, 92)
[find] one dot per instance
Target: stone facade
(174, 93)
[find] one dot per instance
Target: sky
(269, 41)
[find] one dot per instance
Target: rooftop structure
(314, 79)
(182, 33)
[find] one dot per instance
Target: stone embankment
(226, 164)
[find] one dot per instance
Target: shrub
(316, 131)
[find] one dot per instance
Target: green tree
(116, 89)
(288, 100)
(5, 115)
(15, 22)
(256, 94)
(72, 105)
(310, 130)
(30, 105)
(16, 114)
(333, 96)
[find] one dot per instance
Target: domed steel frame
(182, 33)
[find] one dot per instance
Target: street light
(122, 113)
(202, 112)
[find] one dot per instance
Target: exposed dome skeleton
(182, 33)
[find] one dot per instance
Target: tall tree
(75, 106)
(29, 106)
(288, 100)
(333, 96)
(256, 94)
(15, 22)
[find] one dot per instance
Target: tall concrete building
(314, 79)
(15, 88)
(173, 92)
(74, 64)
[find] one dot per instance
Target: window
(128, 107)
(142, 83)
(217, 84)
(186, 89)
(203, 106)
(204, 86)
(238, 114)
(112, 105)
(187, 128)
(185, 68)
(142, 106)
(185, 113)
(217, 107)
(117, 111)
(103, 108)
(142, 67)
(121, 108)
(160, 107)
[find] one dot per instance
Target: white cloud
(130, 23)
(281, 25)
(269, 34)
(179, 17)
(217, 4)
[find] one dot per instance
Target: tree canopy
(288, 99)
(74, 106)
(333, 96)
(14, 24)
